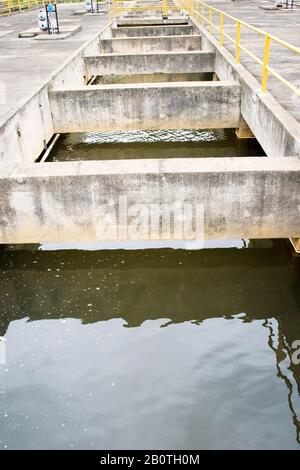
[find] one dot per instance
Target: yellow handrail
(122, 6)
(208, 22)
(8, 7)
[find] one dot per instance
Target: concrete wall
(132, 31)
(24, 135)
(151, 44)
(164, 62)
(63, 202)
(133, 20)
(180, 105)
(27, 129)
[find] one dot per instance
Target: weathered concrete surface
(26, 129)
(276, 130)
(26, 64)
(179, 105)
(61, 202)
(132, 31)
(163, 62)
(66, 30)
(151, 44)
(133, 20)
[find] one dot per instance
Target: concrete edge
(162, 53)
(151, 37)
(61, 36)
(158, 85)
(145, 26)
(161, 166)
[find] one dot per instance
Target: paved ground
(26, 63)
(286, 25)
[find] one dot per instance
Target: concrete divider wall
(178, 105)
(164, 62)
(132, 20)
(25, 132)
(63, 202)
(151, 44)
(72, 73)
(132, 31)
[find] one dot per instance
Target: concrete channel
(242, 198)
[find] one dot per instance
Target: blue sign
(50, 7)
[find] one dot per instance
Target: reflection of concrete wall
(151, 106)
(61, 202)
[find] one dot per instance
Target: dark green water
(150, 348)
(153, 144)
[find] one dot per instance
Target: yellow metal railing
(122, 6)
(7, 7)
(209, 16)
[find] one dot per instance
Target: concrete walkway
(283, 23)
(26, 64)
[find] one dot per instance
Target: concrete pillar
(296, 244)
(244, 131)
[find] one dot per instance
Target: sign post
(52, 18)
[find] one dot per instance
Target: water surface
(150, 348)
(153, 144)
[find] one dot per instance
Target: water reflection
(169, 348)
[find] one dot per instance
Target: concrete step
(179, 105)
(149, 62)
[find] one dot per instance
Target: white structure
(42, 19)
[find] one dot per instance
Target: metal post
(221, 28)
(202, 15)
(165, 8)
(210, 20)
(266, 62)
(237, 42)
